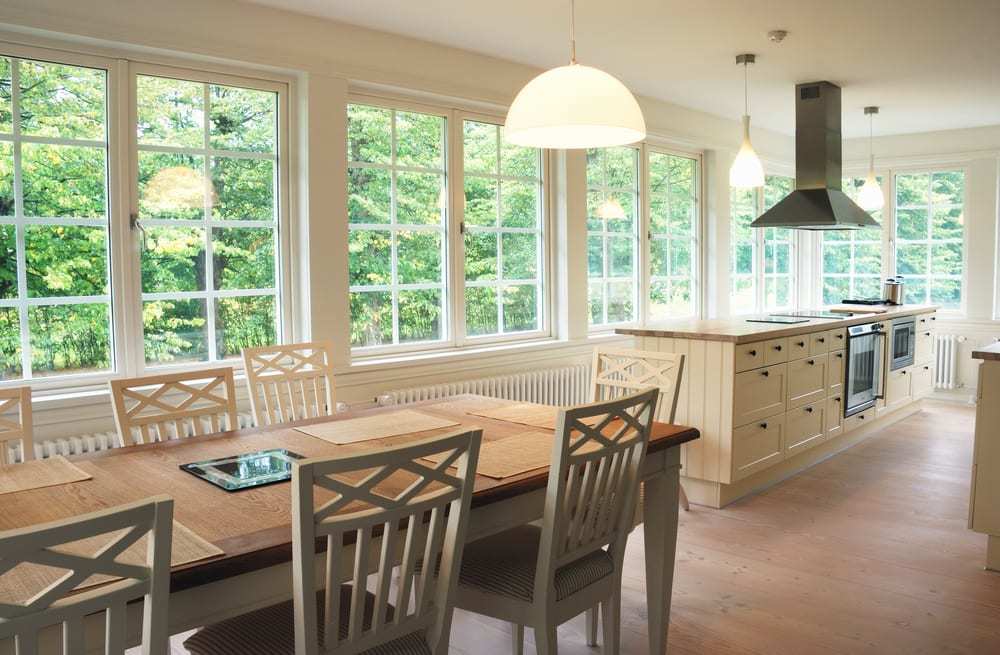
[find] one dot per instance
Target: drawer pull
(902, 372)
(809, 409)
(837, 399)
(821, 339)
(763, 426)
(927, 334)
(933, 318)
(765, 373)
(778, 348)
(927, 368)
(812, 362)
(840, 355)
(861, 417)
(753, 353)
(801, 344)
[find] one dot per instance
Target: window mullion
(21, 255)
(210, 301)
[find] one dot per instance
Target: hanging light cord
(746, 88)
(572, 31)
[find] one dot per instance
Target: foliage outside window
(207, 201)
(673, 231)
(502, 233)
(612, 242)
(55, 303)
(397, 203)
(743, 266)
(930, 235)
(778, 272)
(852, 259)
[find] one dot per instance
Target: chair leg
(592, 626)
(684, 499)
(517, 634)
(545, 640)
(611, 619)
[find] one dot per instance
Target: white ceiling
(929, 64)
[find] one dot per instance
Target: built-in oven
(863, 382)
(902, 341)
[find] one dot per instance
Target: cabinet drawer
(898, 387)
(922, 383)
(775, 351)
(819, 343)
(926, 321)
(807, 380)
(798, 347)
(923, 349)
(759, 394)
(834, 416)
(805, 427)
(757, 446)
(837, 339)
(835, 372)
(859, 420)
(750, 355)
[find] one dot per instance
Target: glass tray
(246, 471)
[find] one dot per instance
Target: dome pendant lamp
(574, 106)
(870, 197)
(746, 171)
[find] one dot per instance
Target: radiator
(946, 359)
(569, 385)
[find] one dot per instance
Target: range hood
(818, 203)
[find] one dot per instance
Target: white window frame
(127, 351)
(453, 277)
(698, 259)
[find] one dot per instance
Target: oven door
(864, 372)
(904, 339)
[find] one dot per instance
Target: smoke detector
(777, 36)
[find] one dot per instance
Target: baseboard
(718, 495)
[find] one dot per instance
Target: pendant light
(574, 106)
(870, 197)
(610, 209)
(746, 171)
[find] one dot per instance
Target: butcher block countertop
(990, 353)
(739, 330)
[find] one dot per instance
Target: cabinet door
(759, 394)
(750, 355)
(923, 380)
(923, 349)
(898, 388)
(858, 420)
(775, 351)
(834, 416)
(835, 373)
(838, 339)
(819, 343)
(798, 347)
(807, 380)
(757, 446)
(805, 427)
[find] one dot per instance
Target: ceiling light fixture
(610, 209)
(870, 197)
(574, 106)
(746, 171)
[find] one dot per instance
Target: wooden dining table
(253, 527)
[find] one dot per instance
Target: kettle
(892, 290)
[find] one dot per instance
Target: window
(673, 235)
(55, 295)
(612, 234)
(930, 235)
(397, 206)
(207, 201)
(502, 229)
(761, 260)
(852, 259)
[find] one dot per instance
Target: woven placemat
(376, 426)
(511, 456)
(39, 473)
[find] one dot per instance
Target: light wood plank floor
(866, 552)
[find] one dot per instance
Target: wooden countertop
(988, 353)
(739, 330)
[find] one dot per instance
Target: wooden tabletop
(253, 527)
(990, 352)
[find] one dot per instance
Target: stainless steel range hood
(818, 203)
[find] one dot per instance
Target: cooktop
(813, 314)
(786, 320)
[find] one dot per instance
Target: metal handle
(764, 373)
(880, 387)
(821, 339)
(763, 426)
(753, 353)
(837, 399)
(134, 224)
(809, 409)
(801, 344)
(778, 348)
(841, 355)
(812, 362)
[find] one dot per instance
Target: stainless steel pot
(892, 291)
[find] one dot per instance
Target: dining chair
(290, 382)
(18, 427)
(373, 509)
(174, 406)
(544, 575)
(50, 601)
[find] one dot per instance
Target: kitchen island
(769, 399)
(984, 499)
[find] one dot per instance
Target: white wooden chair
(544, 576)
(18, 428)
(290, 382)
(112, 531)
(174, 406)
(381, 503)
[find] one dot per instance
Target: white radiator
(946, 359)
(569, 385)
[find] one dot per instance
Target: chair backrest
(290, 382)
(408, 505)
(593, 483)
(108, 534)
(16, 423)
(174, 406)
(621, 371)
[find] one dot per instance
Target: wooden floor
(867, 552)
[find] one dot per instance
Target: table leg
(660, 531)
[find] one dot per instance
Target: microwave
(902, 341)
